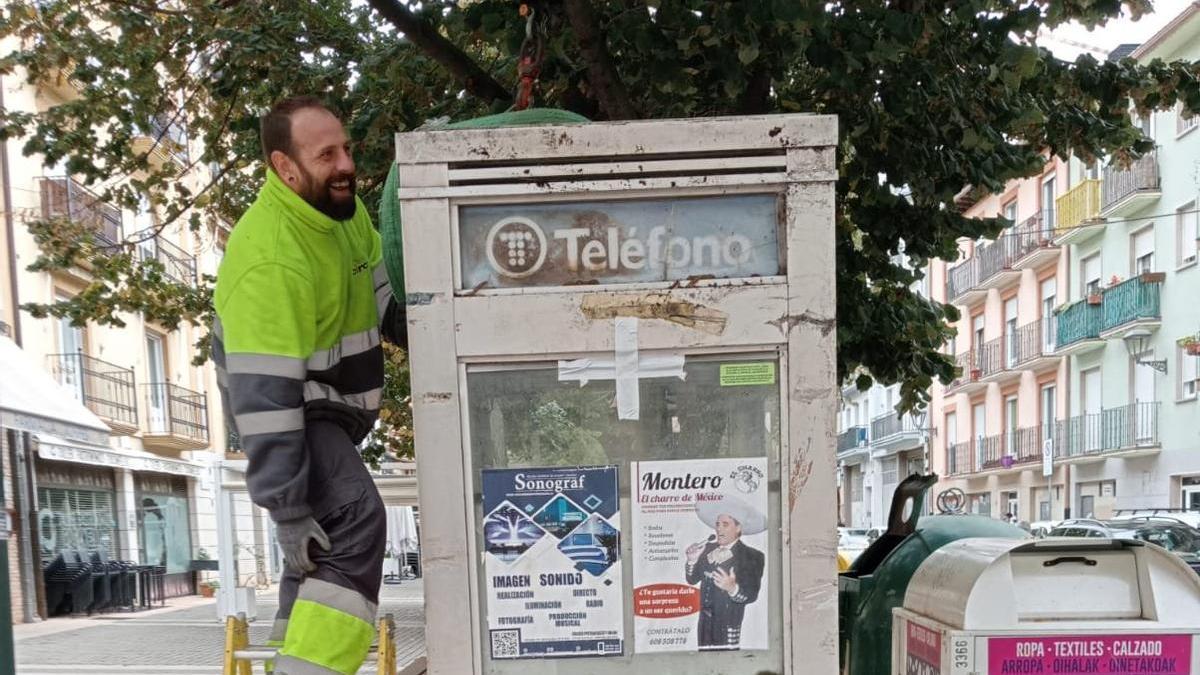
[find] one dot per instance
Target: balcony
(163, 139)
(990, 361)
(62, 197)
(1134, 303)
(1128, 431)
(958, 459)
(1078, 211)
(1078, 328)
(996, 262)
(1031, 347)
(970, 374)
(104, 388)
(177, 418)
(851, 442)
(178, 265)
(962, 283)
(1035, 241)
(1127, 190)
(891, 432)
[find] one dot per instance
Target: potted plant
(976, 373)
(1094, 297)
(208, 589)
(1152, 277)
(1191, 345)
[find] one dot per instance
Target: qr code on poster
(506, 644)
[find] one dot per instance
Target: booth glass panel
(523, 416)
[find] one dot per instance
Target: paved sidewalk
(186, 639)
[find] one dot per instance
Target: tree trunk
(603, 77)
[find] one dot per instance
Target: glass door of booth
(603, 543)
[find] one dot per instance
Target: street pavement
(187, 640)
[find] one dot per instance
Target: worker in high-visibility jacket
(302, 298)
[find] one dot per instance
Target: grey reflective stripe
(222, 378)
(349, 346)
(265, 364)
(337, 597)
(270, 422)
(380, 275)
(290, 665)
(368, 400)
(218, 329)
(278, 632)
(382, 297)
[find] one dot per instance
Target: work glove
(294, 536)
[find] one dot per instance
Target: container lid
(979, 583)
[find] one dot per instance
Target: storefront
(77, 510)
(648, 470)
(164, 529)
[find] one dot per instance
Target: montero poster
(553, 562)
(700, 555)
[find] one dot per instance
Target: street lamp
(920, 418)
(1137, 341)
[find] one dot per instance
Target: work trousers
(326, 619)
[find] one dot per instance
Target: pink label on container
(1107, 654)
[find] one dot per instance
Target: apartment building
(995, 418)
(143, 490)
(876, 449)
(1133, 437)
(1075, 328)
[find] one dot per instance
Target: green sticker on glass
(743, 374)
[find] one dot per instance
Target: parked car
(852, 539)
(1191, 517)
(1174, 535)
(1042, 528)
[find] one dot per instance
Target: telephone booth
(622, 352)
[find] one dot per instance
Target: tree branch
(602, 73)
(755, 98)
(474, 79)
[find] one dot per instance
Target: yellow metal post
(237, 637)
(387, 646)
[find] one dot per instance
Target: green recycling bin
(876, 582)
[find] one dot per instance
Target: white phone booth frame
(790, 315)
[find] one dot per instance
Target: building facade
(877, 448)
(995, 418)
(1133, 437)
(148, 495)
(1073, 339)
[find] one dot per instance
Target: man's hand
(726, 581)
(693, 552)
(294, 536)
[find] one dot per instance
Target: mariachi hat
(750, 518)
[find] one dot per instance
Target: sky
(1114, 33)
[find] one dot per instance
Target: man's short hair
(276, 126)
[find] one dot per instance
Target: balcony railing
(1078, 322)
(1141, 176)
(851, 438)
(1034, 232)
(106, 389)
(962, 278)
(62, 197)
(892, 424)
(178, 264)
(997, 257)
(176, 411)
(959, 459)
(1129, 301)
(964, 363)
(989, 357)
(1111, 430)
(1077, 205)
(1031, 341)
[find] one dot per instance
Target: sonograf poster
(700, 555)
(553, 562)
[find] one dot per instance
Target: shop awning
(31, 400)
(61, 450)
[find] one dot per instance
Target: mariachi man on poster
(729, 572)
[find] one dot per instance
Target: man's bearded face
(324, 174)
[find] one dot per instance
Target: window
(1143, 251)
(1187, 231)
(77, 520)
(1049, 323)
(1090, 275)
(1189, 372)
(1048, 186)
(1010, 211)
(1049, 410)
(164, 534)
(1010, 333)
(1010, 426)
(1184, 122)
(977, 323)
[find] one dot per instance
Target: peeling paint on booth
(654, 306)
